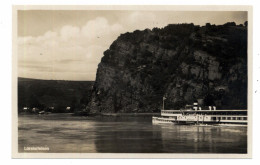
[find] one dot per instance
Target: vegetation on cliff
(182, 62)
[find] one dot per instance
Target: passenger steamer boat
(193, 114)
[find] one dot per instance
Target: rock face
(182, 62)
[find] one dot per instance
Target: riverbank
(100, 114)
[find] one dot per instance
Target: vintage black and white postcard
(132, 81)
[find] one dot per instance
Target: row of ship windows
(171, 112)
(164, 120)
(223, 118)
(229, 118)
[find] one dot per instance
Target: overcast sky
(68, 45)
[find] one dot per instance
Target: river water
(64, 133)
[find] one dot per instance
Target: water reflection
(66, 133)
(200, 139)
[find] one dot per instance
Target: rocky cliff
(182, 62)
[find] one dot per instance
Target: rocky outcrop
(182, 62)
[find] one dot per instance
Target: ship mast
(164, 98)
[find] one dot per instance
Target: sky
(69, 44)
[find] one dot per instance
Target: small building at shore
(68, 109)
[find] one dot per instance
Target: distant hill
(53, 93)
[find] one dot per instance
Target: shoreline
(99, 114)
(128, 114)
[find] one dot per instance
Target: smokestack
(210, 108)
(200, 101)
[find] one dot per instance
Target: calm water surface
(64, 133)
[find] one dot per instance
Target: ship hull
(165, 120)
